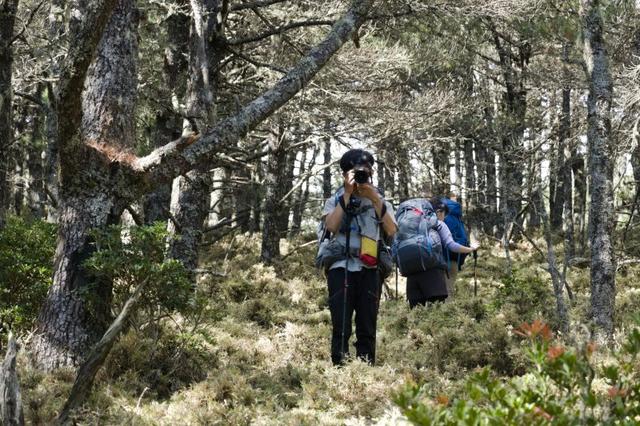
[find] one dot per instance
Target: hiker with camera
(359, 220)
(420, 249)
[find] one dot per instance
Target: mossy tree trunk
(77, 309)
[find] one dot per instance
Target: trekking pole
(475, 276)
(346, 286)
(396, 282)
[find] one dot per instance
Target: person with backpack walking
(358, 218)
(420, 247)
(453, 219)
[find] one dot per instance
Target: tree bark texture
(168, 122)
(327, 189)
(77, 309)
(189, 208)
(191, 193)
(274, 183)
(601, 219)
(8, 11)
(11, 413)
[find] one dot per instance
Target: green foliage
(26, 269)
(129, 257)
(560, 388)
(528, 295)
(450, 337)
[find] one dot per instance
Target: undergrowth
(257, 350)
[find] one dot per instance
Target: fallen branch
(88, 370)
(308, 243)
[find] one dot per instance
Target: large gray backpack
(417, 246)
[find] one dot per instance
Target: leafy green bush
(26, 269)
(560, 388)
(529, 295)
(129, 257)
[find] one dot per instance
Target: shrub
(529, 295)
(128, 258)
(559, 389)
(26, 269)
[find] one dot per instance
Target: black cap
(356, 157)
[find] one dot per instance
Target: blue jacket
(456, 226)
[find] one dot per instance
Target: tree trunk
(556, 175)
(190, 198)
(556, 278)
(469, 176)
(327, 188)
(77, 309)
(37, 197)
(298, 205)
(168, 123)
(601, 160)
(404, 175)
(514, 103)
(441, 167)
(458, 152)
(305, 194)
(243, 195)
(274, 180)
(257, 193)
(87, 372)
(10, 398)
(8, 10)
(567, 180)
(286, 185)
(55, 30)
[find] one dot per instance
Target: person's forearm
(334, 219)
(388, 224)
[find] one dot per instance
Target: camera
(361, 174)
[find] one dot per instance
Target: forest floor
(258, 351)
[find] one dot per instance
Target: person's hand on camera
(367, 190)
(474, 246)
(349, 183)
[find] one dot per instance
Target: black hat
(355, 157)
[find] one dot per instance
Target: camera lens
(361, 176)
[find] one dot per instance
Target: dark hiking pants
(363, 297)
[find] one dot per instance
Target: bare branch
(185, 154)
(279, 30)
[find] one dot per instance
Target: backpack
(456, 226)
(417, 246)
(330, 250)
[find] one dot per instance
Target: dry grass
(260, 352)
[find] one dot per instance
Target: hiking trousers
(363, 298)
